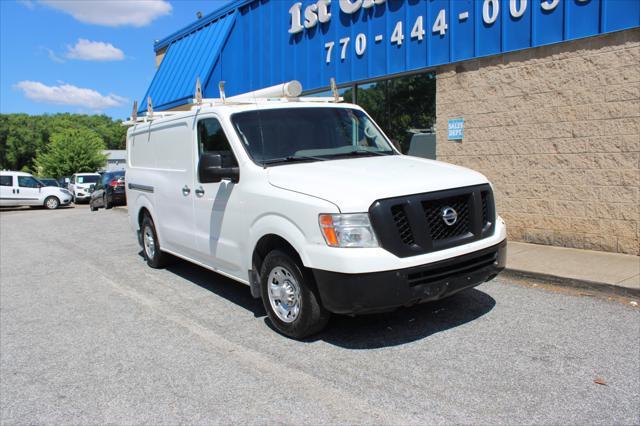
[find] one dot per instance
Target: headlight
(347, 230)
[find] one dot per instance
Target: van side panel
(161, 165)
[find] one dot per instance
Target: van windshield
(276, 136)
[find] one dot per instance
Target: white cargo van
(309, 204)
(22, 189)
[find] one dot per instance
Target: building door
(405, 109)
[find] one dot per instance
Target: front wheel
(52, 203)
(105, 201)
(150, 245)
(287, 293)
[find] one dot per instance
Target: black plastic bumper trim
(387, 290)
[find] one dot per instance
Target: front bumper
(384, 291)
(65, 200)
(81, 196)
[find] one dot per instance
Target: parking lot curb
(594, 286)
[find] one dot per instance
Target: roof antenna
(334, 90)
(221, 88)
(199, 15)
(149, 107)
(198, 94)
(134, 114)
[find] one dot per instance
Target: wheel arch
(268, 233)
(145, 207)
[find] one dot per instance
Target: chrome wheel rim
(52, 203)
(149, 242)
(284, 294)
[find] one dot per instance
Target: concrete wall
(557, 130)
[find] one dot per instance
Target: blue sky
(84, 56)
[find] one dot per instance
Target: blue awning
(187, 58)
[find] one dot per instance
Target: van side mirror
(210, 169)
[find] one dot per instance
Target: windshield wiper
(362, 152)
(293, 159)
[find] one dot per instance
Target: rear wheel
(287, 293)
(105, 201)
(150, 246)
(51, 203)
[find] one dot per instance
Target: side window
(6, 180)
(27, 182)
(211, 139)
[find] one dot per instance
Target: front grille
(434, 211)
(485, 209)
(417, 224)
(402, 223)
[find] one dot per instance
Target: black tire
(105, 200)
(158, 258)
(92, 207)
(312, 317)
(51, 202)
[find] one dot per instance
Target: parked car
(109, 191)
(49, 182)
(79, 185)
(22, 189)
(311, 206)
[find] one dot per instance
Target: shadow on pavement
(406, 325)
(33, 208)
(220, 285)
(402, 326)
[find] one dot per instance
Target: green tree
(71, 151)
(22, 135)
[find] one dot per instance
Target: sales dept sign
(455, 129)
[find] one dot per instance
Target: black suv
(108, 191)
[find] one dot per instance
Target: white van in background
(80, 184)
(22, 189)
(308, 203)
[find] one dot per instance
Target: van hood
(353, 184)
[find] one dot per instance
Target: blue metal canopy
(191, 56)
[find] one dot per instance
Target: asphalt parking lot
(89, 334)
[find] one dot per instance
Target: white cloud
(27, 3)
(67, 94)
(87, 50)
(113, 13)
(53, 56)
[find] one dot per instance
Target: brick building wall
(557, 131)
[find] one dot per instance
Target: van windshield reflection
(289, 135)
